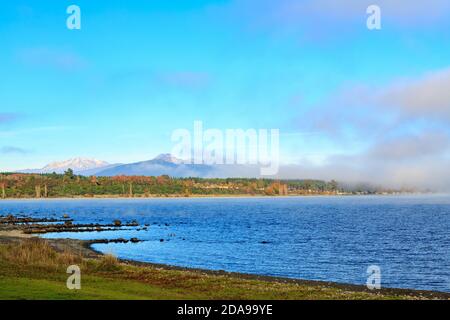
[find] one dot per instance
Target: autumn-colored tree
(3, 186)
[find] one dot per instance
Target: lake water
(316, 238)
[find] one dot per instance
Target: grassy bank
(33, 269)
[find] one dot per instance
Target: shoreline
(16, 231)
(266, 278)
(85, 248)
(222, 196)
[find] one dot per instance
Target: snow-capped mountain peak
(76, 164)
(167, 157)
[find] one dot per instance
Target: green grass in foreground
(33, 270)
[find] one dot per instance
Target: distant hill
(164, 164)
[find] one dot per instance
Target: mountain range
(83, 166)
(164, 164)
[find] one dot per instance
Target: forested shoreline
(18, 185)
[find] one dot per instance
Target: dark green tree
(69, 173)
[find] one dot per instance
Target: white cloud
(409, 148)
(428, 96)
(405, 128)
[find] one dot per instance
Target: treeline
(15, 185)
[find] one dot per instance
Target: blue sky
(137, 70)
